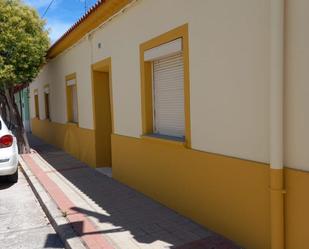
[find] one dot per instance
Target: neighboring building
(184, 99)
(22, 101)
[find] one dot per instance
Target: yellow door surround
(102, 111)
(104, 65)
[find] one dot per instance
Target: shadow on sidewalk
(128, 210)
(4, 183)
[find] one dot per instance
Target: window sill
(164, 139)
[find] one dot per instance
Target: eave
(99, 13)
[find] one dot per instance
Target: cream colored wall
(229, 73)
(229, 69)
(77, 59)
(297, 85)
(230, 78)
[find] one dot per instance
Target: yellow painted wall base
(277, 208)
(296, 209)
(227, 195)
(77, 141)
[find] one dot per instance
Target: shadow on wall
(127, 210)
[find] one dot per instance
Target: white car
(8, 153)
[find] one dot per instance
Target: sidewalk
(107, 214)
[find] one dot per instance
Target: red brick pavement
(81, 224)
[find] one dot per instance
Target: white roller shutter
(168, 96)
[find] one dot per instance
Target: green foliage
(23, 43)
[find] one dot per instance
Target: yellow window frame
(146, 79)
(69, 98)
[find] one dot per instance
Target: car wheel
(13, 178)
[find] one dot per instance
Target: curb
(61, 225)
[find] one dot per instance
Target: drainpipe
(276, 124)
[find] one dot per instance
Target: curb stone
(61, 225)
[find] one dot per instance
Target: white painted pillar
(276, 83)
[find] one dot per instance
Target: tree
(23, 45)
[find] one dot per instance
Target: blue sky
(61, 15)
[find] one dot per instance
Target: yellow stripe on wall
(77, 141)
(297, 209)
(227, 195)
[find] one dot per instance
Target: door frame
(104, 66)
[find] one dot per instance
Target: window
(72, 103)
(46, 98)
(36, 104)
(164, 87)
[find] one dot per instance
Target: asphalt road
(23, 224)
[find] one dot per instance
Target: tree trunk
(4, 108)
(14, 114)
